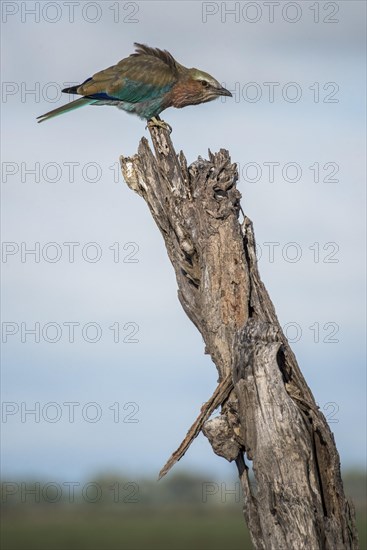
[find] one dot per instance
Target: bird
(146, 83)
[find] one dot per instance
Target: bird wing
(134, 79)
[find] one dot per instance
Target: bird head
(194, 87)
(207, 87)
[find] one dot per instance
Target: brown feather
(145, 68)
(188, 92)
(163, 55)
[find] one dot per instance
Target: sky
(94, 340)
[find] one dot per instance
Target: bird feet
(156, 121)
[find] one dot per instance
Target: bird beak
(223, 91)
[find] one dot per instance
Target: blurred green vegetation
(183, 511)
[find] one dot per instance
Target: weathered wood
(268, 414)
(219, 396)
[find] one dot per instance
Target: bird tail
(66, 108)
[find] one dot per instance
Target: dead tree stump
(268, 413)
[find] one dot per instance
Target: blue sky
(163, 378)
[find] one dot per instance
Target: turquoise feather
(82, 102)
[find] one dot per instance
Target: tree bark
(268, 413)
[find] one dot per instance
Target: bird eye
(204, 83)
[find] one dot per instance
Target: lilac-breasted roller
(145, 83)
